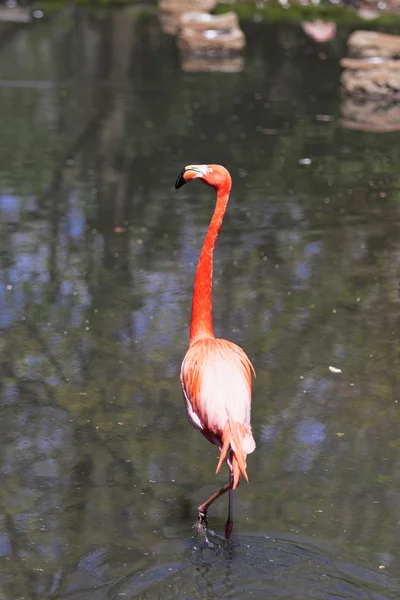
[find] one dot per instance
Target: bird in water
(216, 375)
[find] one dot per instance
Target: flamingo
(216, 375)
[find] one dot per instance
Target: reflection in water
(223, 64)
(99, 470)
(370, 115)
(257, 566)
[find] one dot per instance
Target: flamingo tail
(234, 435)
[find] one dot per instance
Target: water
(100, 472)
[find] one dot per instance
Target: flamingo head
(215, 176)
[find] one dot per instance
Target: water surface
(100, 471)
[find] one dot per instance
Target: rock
(168, 22)
(371, 44)
(170, 11)
(201, 21)
(181, 6)
(374, 78)
(200, 33)
(368, 14)
(376, 72)
(211, 41)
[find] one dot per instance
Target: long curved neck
(201, 323)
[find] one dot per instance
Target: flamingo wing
(216, 383)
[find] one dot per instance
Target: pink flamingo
(216, 374)
(319, 31)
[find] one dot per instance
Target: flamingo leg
(203, 508)
(229, 522)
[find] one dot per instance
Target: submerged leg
(229, 523)
(203, 508)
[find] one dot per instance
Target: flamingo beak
(181, 180)
(192, 172)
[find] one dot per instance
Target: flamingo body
(216, 384)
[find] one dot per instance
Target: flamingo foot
(228, 528)
(202, 521)
(201, 527)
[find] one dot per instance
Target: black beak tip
(180, 181)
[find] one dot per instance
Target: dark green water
(100, 472)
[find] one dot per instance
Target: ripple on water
(256, 567)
